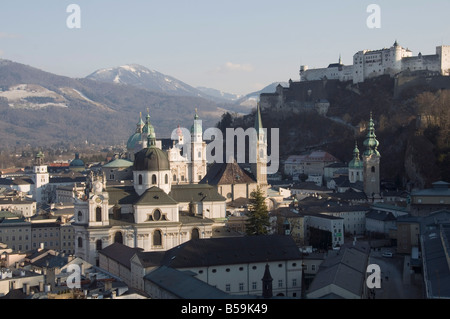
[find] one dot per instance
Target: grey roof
(21, 180)
(380, 215)
(437, 274)
(183, 284)
(439, 188)
(51, 261)
(195, 192)
(347, 270)
(118, 163)
(150, 258)
(155, 196)
(122, 195)
(120, 253)
(232, 250)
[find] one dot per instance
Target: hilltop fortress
(317, 86)
(391, 61)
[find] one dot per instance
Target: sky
(234, 46)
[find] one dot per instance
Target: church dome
(77, 162)
(151, 159)
(135, 138)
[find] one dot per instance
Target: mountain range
(41, 108)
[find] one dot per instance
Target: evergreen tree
(258, 221)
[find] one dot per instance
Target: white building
(373, 63)
(217, 262)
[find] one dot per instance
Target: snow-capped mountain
(140, 76)
(230, 97)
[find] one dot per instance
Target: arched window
(166, 179)
(80, 216)
(174, 178)
(98, 214)
(140, 179)
(118, 238)
(373, 169)
(80, 242)
(154, 179)
(195, 234)
(157, 238)
(98, 244)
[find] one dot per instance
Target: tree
(258, 221)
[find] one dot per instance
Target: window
(80, 242)
(228, 287)
(241, 286)
(280, 283)
(254, 285)
(373, 169)
(140, 179)
(174, 178)
(166, 179)
(157, 238)
(118, 238)
(153, 179)
(195, 234)
(98, 214)
(294, 282)
(98, 244)
(157, 214)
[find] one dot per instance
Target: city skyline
(233, 47)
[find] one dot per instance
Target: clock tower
(91, 218)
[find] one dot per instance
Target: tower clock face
(98, 186)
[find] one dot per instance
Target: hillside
(41, 108)
(414, 152)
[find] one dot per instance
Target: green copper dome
(133, 140)
(356, 161)
(196, 128)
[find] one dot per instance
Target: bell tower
(197, 166)
(259, 169)
(371, 164)
(40, 178)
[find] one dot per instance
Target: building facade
(388, 61)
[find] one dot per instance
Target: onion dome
(356, 161)
(371, 143)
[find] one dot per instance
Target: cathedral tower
(259, 169)
(197, 167)
(40, 178)
(371, 164)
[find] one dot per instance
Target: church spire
(267, 283)
(258, 121)
(150, 130)
(371, 143)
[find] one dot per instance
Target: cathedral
(164, 206)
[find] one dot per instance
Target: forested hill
(413, 129)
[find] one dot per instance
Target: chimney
(108, 285)
(26, 289)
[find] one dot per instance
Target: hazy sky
(234, 46)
